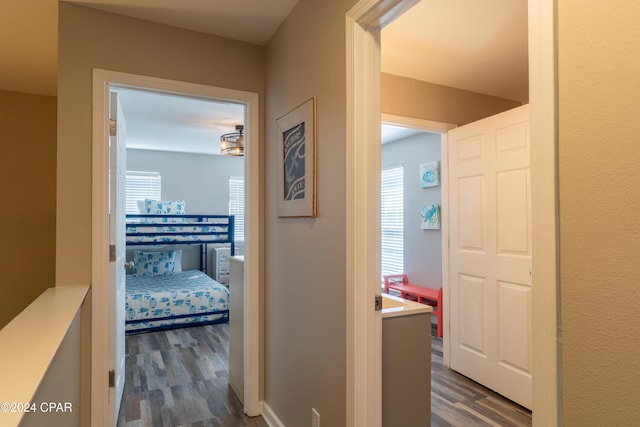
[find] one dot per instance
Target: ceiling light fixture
(232, 144)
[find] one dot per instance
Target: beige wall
(305, 347)
(599, 175)
(28, 215)
(403, 96)
(89, 39)
(305, 285)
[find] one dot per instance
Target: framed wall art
(296, 156)
(430, 174)
(430, 215)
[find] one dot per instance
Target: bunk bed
(159, 295)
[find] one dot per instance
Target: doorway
(364, 21)
(172, 156)
(434, 243)
(416, 247)
(103, 328)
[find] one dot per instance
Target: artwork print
(296, 157)
(429, 174)
(294, 167)
(430, 215)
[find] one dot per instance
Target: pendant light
(232, 144)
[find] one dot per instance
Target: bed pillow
(178, 268)
(154, 263)
(164, 207)
(178, 260)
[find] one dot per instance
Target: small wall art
(430, 215)
(296, 155)
(430, 174)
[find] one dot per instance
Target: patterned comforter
(171, 233)
(188, 298)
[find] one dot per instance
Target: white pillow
(154, 263)
(178, 268)
(164, 207)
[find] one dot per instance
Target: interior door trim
(102, 79)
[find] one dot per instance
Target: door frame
(100, 329)
(363, 24)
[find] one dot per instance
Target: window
(236, 205)
(392, 220)
(140, 186)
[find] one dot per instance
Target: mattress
(188, 298)
(147, 233)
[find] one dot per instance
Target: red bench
(422, 294)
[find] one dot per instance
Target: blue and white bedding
(187, 298)
(173, 233)
(164, 207)
(162, 222)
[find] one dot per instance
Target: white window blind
(392, 220)
(236, 205)
(140, 186)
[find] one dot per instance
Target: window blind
(392, 220)
(236, 205)
(140, 186)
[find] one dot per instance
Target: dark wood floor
(179, 378)
(457, 401)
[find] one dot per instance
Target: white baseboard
(270, 417)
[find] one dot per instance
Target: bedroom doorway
(410, 142)
(364, 22)
(103, 407)
(173, 157)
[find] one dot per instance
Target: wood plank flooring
(180, 378)
(456, 401)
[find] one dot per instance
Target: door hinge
(112, 378)
(113, 126)
(378, 303)
(112, 253)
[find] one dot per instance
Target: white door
(117, 176)
(490, 253)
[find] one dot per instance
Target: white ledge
(393, 306)
(30, 341)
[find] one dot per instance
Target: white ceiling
(477, 45)
(174, 123)
(392, 133)
(252, 21)
(29, 30)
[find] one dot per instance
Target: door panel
(513, 221)
(470, 149)
(117, 174)
(514, 302)
(471, 213)
(490, 253)
(472, 314)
